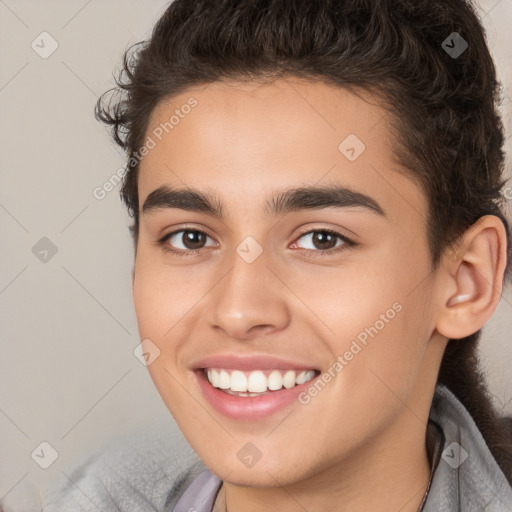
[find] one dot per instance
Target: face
(321, 302)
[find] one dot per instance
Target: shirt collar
(467, 476)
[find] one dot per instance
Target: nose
(249, 300)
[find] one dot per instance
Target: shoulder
(147, 471)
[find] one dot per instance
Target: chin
(260, 479)
(260, 475)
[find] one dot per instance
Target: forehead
(244, 140)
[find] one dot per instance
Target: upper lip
(248, 363)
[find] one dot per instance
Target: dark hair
(447, 131)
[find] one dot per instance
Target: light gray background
(68, 373)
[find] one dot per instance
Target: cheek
(347, 300)
(164, 296)
(161, 301)
(377, 318)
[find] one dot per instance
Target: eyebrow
(290, 200)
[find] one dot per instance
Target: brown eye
(193, 239)
(185, 241)
(325, 241)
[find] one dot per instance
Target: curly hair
(447, 132)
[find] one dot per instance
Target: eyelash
(347, 243)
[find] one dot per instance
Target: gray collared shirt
(155, 473)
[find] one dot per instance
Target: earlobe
(474, 279)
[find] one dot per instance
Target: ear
(472, 278)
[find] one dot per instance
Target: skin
(244, 142)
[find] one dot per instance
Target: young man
(318, 234)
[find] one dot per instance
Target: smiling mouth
(257, 382)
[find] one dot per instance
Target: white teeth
(224, 380)
(238, 381)
(305, 376)
(289, 379)
(255, 382)
(213, 377)
(275, 380)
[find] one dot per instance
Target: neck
(389, 474)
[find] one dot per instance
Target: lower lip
(249, 408)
